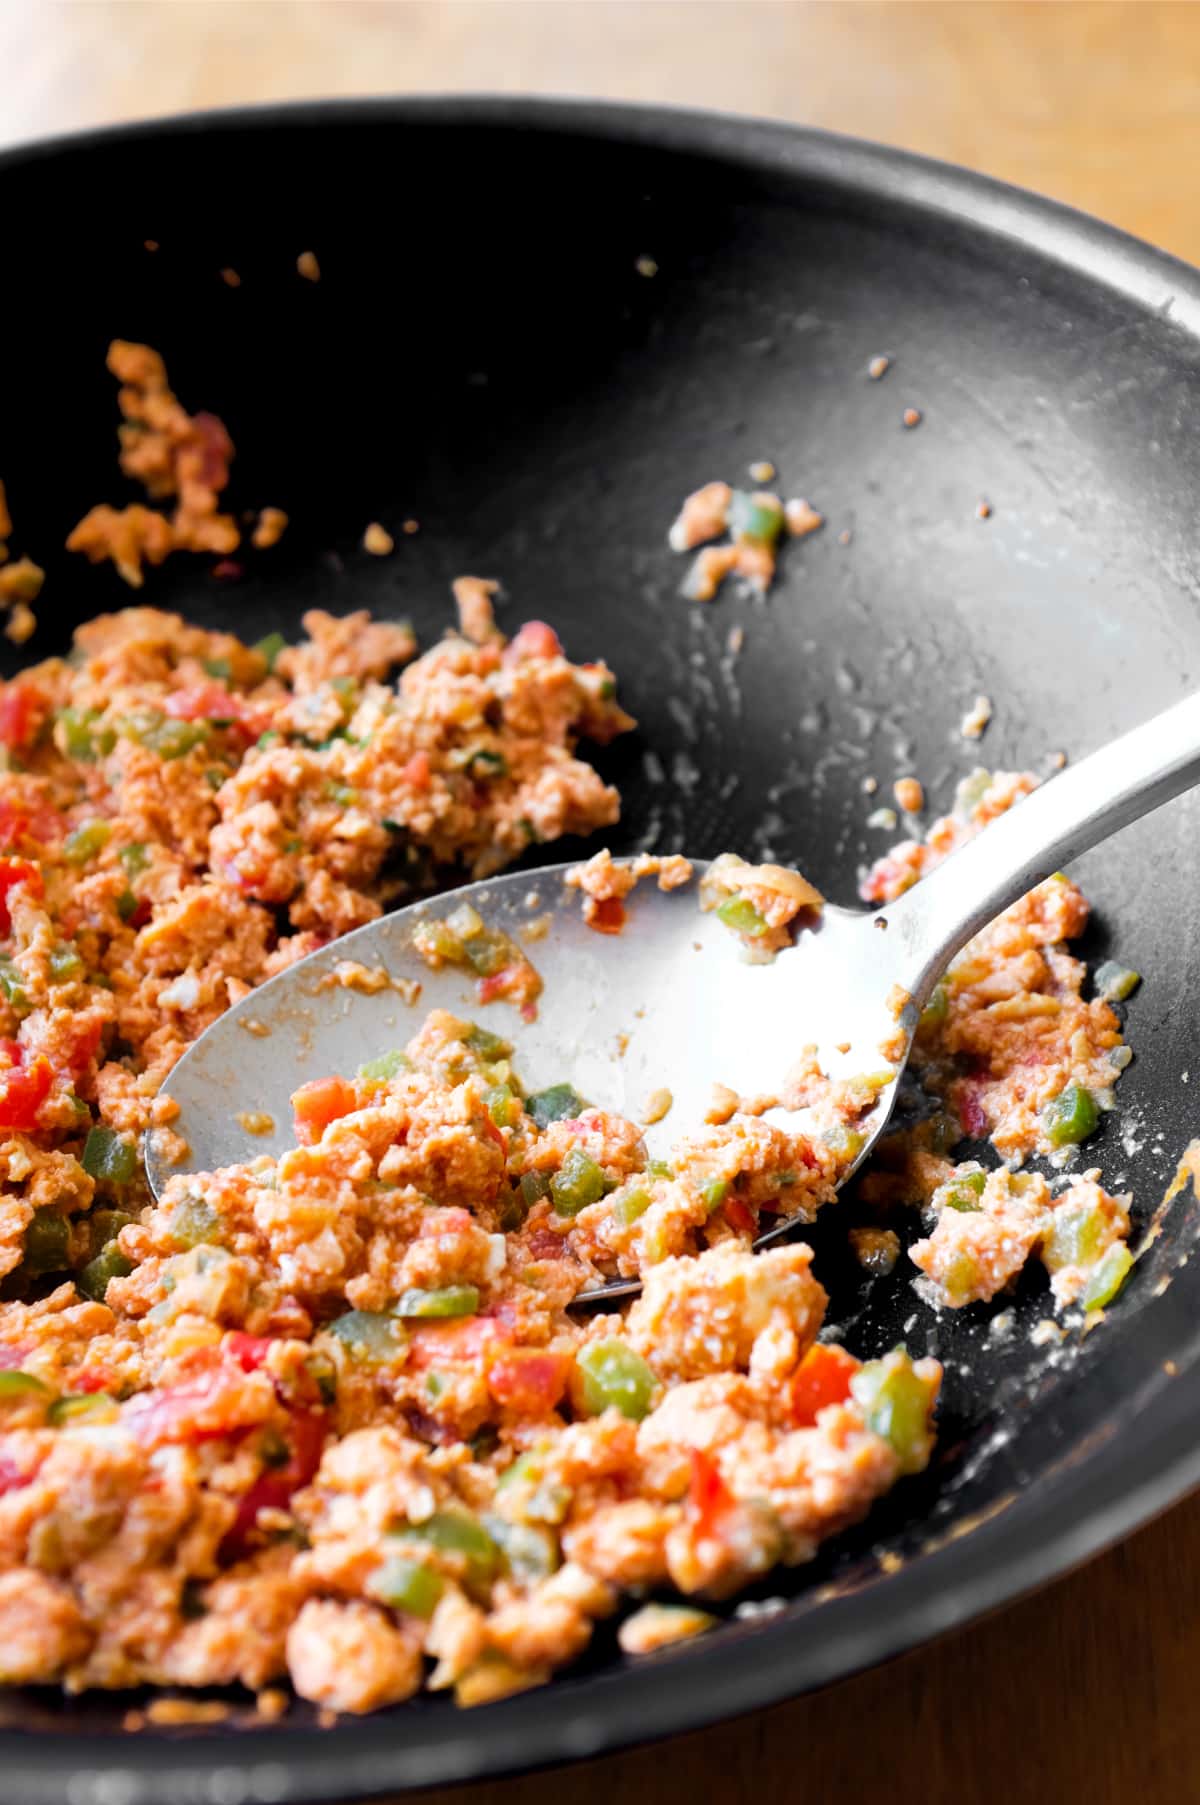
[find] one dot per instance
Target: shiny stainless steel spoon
(671, 1002)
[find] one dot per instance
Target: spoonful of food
(644, 1022)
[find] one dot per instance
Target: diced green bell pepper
(16, 1384)
(371, 1336)
(1109, 1275)
(12, 985)
(86, 842)
(80, 735)
(1116, 982)
(740, 914)
(107, 1155)
(80, 1407)
(446, 1300)
(560, 1103)
(937, 1008)
(65, 963)
(534, 1186)
(194, 1223)
(754, 517)
(134, 858)
(531, 1551)
(47, 1242)
(895, 1402)
(578, 1182)
(98, 1274)
(1070, 1117)
(714, 1193)
(489, 1046)
(387, 1065)
(408, 1586)
(163, 734)
(505, 1109)
(630, 1204)
(456, 1533)
(962, 1192)
(614, 1375)
(270, 648)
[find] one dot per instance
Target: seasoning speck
(909, 795)
(976, 719)
(844, 536)
(870, 785)
(149, 244)
(255, 1121)
(883, 817)
(308, 267)
(983, 509)
(646, 266)
(378, 541)
(911, 416)
(763, 471)
(658, 1104)
(410, 527)
(230, 278)
(272, 524)
(878, 366)
(802, 518)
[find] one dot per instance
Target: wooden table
(1086, 1691)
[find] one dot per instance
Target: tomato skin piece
(274, 1488)
(822, 1377)
(528, 1381)
(317, 1104)
(739, 1215)
(458, 1342)
(12, 873)
(607, 915)
(534, 640)
(23, 1090)
(205, 1405)
(709, 1499)
(250, 1351)
(18, 716)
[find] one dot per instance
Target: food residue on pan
(755, 523)
(605, 883)
(976, 719)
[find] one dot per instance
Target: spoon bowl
(670, 1004)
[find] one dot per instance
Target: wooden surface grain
(1086, 1691)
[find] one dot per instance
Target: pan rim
(1068, 1516)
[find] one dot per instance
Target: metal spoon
(670, 1003)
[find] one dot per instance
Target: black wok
(484, 355)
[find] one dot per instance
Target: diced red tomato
(739, 1215)
(528, 1381)
(14, 1474)
(14, 1354)
(250, 1351)
(274, 1488)
(316, 1105)
(92, 1378)
(607, 915)
(544, 1244)
(498, 984)
(84, 1038)
(19, 709)
(822, 1377)
(33, 821)
(418, 771)
(212, 1402)
(214, 447)
(709, 1498)
(535, 640)
(213, 702)
(23, 1090)
(454, 1343)
(12, 873)
(971, 1113)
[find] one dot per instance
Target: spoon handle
(1085, 804)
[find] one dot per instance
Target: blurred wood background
(1085, 1691)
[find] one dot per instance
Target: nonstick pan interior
(538, 327)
